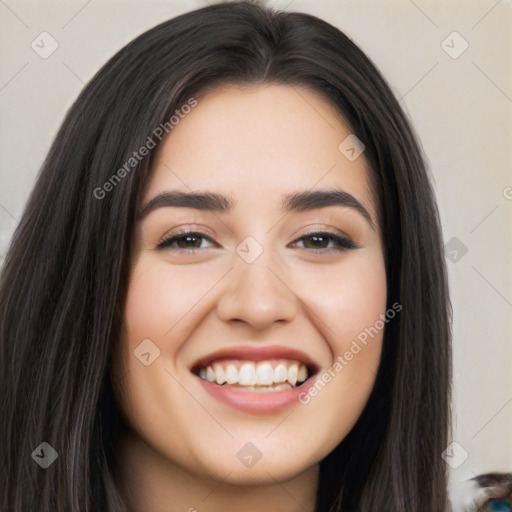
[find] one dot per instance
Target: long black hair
(64, 279)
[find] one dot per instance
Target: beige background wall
(460, 101)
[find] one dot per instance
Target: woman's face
(278, 279)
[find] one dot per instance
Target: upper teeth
(264, 373)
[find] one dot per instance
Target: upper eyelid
(298, 239)
(179, 234)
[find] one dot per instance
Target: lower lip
(257, 402)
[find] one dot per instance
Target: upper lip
(257, 353)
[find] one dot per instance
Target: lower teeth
(260, 389)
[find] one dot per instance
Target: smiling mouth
(263, 376)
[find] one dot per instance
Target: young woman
(227, 291)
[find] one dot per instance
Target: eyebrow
(218, 203)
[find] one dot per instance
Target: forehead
(258, 143)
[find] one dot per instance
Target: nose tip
(257, 295)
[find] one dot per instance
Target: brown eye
(326, 242)
(317, 242)
(185, 241)
(189, 242)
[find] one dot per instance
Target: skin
(254, 145)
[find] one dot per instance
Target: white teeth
(280, 373)
(293, 371)
(231, 374)
(303, 373)
(220, 376)
(264, 374)
(256, 374)
(269, 389)
(210, 376)
(247, 375)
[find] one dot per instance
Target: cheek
(347, 300)
(159, 299)
(163, 306)
(151, 309)
(156, 314)
(349, 306)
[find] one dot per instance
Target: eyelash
(344, 243)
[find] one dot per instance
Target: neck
(153, 483)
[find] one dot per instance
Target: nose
(258, 294)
